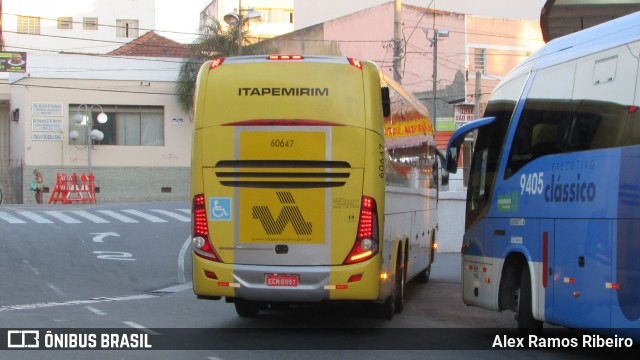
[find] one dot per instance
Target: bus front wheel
(524, 313)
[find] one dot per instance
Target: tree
(214, 42)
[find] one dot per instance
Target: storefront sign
(46, 109)
(13, 61)
(46, 136)
(46, 124)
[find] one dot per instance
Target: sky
(180, 16)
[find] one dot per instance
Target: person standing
(39, 185)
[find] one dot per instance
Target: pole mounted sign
(13, 61)
(463, 114)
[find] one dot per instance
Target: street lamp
(437, 33)
(84, 116)
(237, 19)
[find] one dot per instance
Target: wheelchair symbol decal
(220, 208)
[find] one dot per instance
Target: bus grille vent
(277, 174)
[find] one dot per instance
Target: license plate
(281, 280)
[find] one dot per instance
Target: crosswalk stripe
(120, 217)
(63, 217)
(11, 219)
(34, 217)
(172, 215)
(15, 216)
(145, 216)
(89, 216)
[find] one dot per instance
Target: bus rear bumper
(302, 283)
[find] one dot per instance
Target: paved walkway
(446, 267)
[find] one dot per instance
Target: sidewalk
(446, 267)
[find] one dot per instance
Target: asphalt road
(126, 268)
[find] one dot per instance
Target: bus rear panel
(288, 182)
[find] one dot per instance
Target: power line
(95, 89)
(166, 60)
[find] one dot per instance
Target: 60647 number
(281, 143)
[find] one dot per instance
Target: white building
(88, 26)
(145, 153)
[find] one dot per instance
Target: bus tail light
(200, 242)
(355, 62)
(216, 62)
(285, 57)
(366, 244)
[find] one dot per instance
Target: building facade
(309, 13)
(488, 46)
(88, 26)
(146, 150)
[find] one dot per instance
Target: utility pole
(437, 33)
(435, 78)
(1, 39)
(397, 41)
(476, 108)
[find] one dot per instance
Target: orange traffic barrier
(71, 189)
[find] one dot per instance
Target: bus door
(545, 289)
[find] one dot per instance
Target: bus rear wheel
(424, 275)
(246, 308)
(399, 287)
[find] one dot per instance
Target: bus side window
(386, 102)
(602, 116)
(541, 131)
(544, 121)
(544, 140)
(600, 125)
(634, 129)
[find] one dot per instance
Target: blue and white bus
(552, 227)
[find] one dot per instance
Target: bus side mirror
(386, 102)
(452, 159)
(442, 159)
(455, 143)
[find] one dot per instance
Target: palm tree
(214, 42)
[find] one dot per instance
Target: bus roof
(597, 38)
(303, 58)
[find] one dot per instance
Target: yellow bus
(313, 179)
